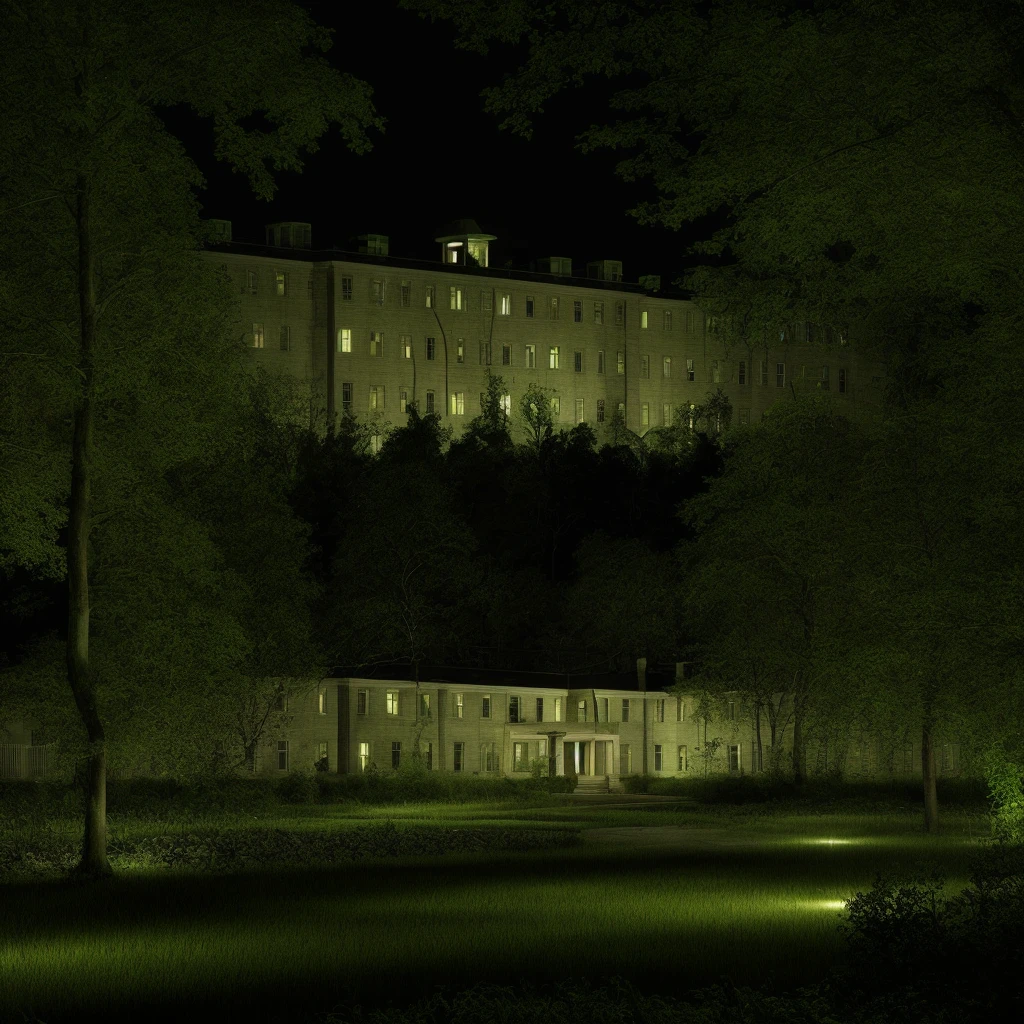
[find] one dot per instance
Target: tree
(100, 239)
(537, 417)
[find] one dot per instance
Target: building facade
(372, 333)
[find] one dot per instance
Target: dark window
(346, 397)
(540, 709)
(529, 305)
(431, 348)
(346, 288)
(600, 410)
(514, 710)
(459, 761)
(741, 375)
(396, 754)
(577, 311)
(430, 403)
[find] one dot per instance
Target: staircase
(588, 785)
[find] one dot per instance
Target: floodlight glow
(831, 842)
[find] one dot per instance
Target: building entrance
(576, 758)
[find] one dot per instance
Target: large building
(372, 333)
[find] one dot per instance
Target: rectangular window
(542, 748)
(431, 348)
(556, 406)
(282, 755)
(430, 299)
(321, 755)
(257, 335)
(346, 397)
(734, 758)
(666, 414)
(666, 366)
(345, 339)
(403, 400)
(657, 757)
(577, 362)
(741, 373)
(376, 398)
(625, 759)
(645, 367)
(643, 319)
(577, 311)
(679, 709)
(620, 313)
(668, 320)
(321, 702)
(691, 373)
(376, 343)
(485, 353)
(459, 758)
(514, 709)
(579, 410)
(362, 702)
(430, 403)
(558, 709)
(458, 705)
(392, 702)
(396, 753)
(252, 281)
(716, 372)
(645, 414)
(731, 711)
(581, 711)
(506, 305)
(531, 357)
(454, 297)
(429, 757)
(424, 711)
(485, 301)
(485, 706)
(377, 292)
(659, 709)
(602, 709)
(364, 756)
(842, 381)
(764, 373)
(460, 351)
(488, 757)
(405, 341)
(780, 375)
(529, 305)
(540, 709)
(684, 759)
(625, 709)
(506, 355)
(281, 282)
(506, 405)
(458, 403)
(824, 378)
(554, 307)
(600, 410)
(553, 357)
(406, 293)
(598, 312)
(600, 362)
(346, 289)
(620, 362)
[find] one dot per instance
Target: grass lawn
(668, 897)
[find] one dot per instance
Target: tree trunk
(94, 844)
(757, 714)
(931, 799)
(798, 744)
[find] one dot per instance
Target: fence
(26, 761)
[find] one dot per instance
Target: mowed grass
(671, 899)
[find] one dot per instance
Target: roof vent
(560, 266)
(289, 234)
(605, 270)
(373, 245)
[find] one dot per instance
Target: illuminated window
(842, 381)
(406, 293)
(684, 760)
(485, 706)
(454, 297)
(600, 362)
(824, 378)
(657, 757)
(458, 403)
(346, 289)
(620, 312)
(668, 320)
(553, 357)
(577, 311)
(403, 400)
(690, 372)
(346, 397)
(377, 292)
(780, 375)
(540, 709)
(321, 702)
(600, 410)
(344, 339)
(376, 343)
(764, 373)
(598, 312)
(734, 758)
(506, 355)
(281, 282)
(405, 340)
(620, 362)
(459, 705)
(579, 410)
(459, 757)
(430, 299)
(520, 761)
(485, 353)
(515, 709)
(364, 756)
(531, 357)
(741, 373)
(257, 335)
(558, 709)
(392, 702)
(666, 366)
(252, 281)
(362, 702)
(396, 753)
(282, 755)
(529, 305)
(625, 709)
(554, 307)
(645, 414)
(643, 319)
(430, 403)
(716, 372)
(431, 348)
(581, 711)
(506, 405)
(376, 398)
(460, 351)
(556, 407)
(506, 305)
(666, 414)
(577, 362)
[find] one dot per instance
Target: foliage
(1005, 780)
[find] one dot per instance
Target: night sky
(443, 158)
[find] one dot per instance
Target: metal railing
(25, 760)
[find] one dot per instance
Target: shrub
(297, 788)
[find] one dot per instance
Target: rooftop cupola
(560, 266)
(605, 270)
(373, 245)
(290, 234)
(464, 244)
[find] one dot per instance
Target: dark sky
(442, 157)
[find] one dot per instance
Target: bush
(298, 788)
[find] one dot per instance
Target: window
(346, 289)
(376, 343)
(376, 398)
(405, 340)
(716, 372)
(659, 710)
(520, 761)
(459, 758)
(506, 355)
(251, 281)
(744, 417)
(505, 401)
(645, 414)
(280, 282)
(485, 301)
(429, 757)
(321, 754)
(645, 367)
(731, 711)
(666, 366)
(542, 748)
(282, 755)
(488, 757)
(454, 297)
(577, 362)
(430, 297)
(600, 410)
(424, 711)
(741, 373)
(780, 375)
(558, 709)
(506, 305)
(598, 312)
(540, 709)
(684, 760)
(643, 319)
(668, 320)
(553, 357)
(691, 374)
(600, 362)
(625, 759)
(620, 362)
(364, 756)
(458, 403)
(321, 702)
(679, 709)
(344, 339)
(460, 351)
(459, 705)
(554, 307)
(581, 711)
(515, 713)
(824, 378)
(531, 357)
(734, 758)
(579, 410)
(556, 407)
(346, 397)
(257, 335)
(430, 403)
(396, 753)
(431, 348)
(657, 757)
(764, 373)
(529, 305)
(485, 706)
(403, 400)
(377, 292)
(362, 702)
(577, 311)
(392, 702)
(621, 408)
(842, 381)
(406, 293)
(602, 709)
(485, 353)
(620, 313)
(666, 414)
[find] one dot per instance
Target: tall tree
(100, 232)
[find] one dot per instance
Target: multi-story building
(372, 333)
